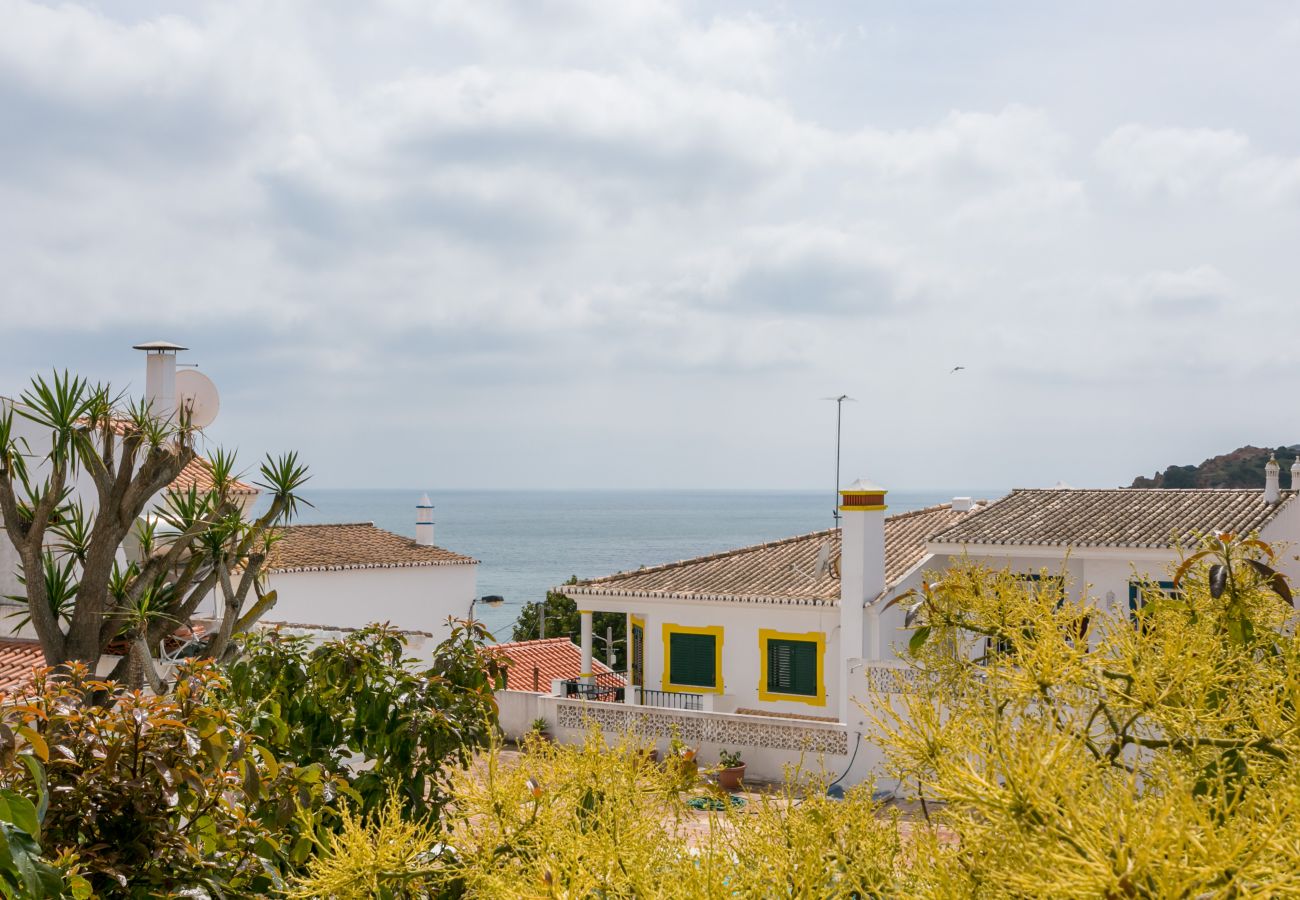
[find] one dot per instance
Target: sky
(634, 244)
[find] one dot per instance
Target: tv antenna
(839, 416)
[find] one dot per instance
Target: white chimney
(962, 504)
(160, 377)
(1272, 493)
(862, 573)
(862, 554)
(424, 522)
(1295, 474)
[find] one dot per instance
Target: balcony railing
(603, 687)
(672, 700)
(611, 687)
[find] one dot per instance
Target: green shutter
(792, 667)
(692, 659)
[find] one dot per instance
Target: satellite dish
(197, 395)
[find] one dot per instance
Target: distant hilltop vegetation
(1242, 468)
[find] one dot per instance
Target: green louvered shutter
(792, 667)
(692, 659)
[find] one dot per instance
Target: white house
(339, 576)
(350, 575)
(772, 648)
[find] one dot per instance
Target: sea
(529, 541)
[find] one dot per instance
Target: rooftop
(552, 658)
(17, 660)
(197, 474)
(1159, 518)
(782, 572)
(355, 545)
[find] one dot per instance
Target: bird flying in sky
(956, 369)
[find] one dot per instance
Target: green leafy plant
(157, 795)
(362, 697)
(729, 759)
(540, 725)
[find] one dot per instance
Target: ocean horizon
(531, 540)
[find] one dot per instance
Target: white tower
(160, 377)
(1272, 492)
(424, 522)
(1295, 474)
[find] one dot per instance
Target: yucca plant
(199, 542)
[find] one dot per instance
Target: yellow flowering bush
(1078, 754)
(1056, 750)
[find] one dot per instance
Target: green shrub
(362, 710)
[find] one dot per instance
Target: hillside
(1242, 468)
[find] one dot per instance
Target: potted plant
(731, 770)
(540, 729)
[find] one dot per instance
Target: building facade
(789, 644)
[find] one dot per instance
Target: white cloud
(1184, 162)
(419, 204)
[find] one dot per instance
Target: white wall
(417, 598)
(741, 623)
(1284, 535)
(1100, 573)
(767, 745)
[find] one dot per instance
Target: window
(1136, 600)
(1036, 584)
(693, 659)
(792, 666)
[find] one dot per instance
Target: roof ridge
(907, 514)
(336, 525)
(548, 640)
(1147, 490)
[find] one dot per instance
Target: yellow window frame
(669, 629)
(813, 637)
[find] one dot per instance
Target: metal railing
(672, 700)
(604, 687)
(612, 687)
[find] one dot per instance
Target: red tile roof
(17, 660)
(198, 474)
(552, 658)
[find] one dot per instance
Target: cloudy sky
(562, 243)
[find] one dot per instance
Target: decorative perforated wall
(706, 728)
(893, 680)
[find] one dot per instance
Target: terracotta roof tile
(552, 658)
(358, 545)
(17, 660)
(1118, 517)
(777, 572)
(198, 474)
